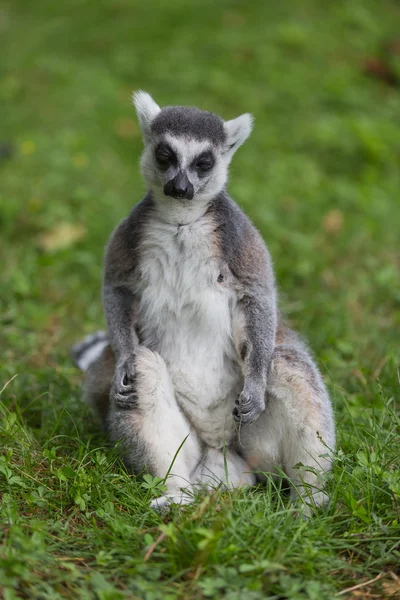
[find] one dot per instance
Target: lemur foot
(123, 389)
(307, 506)
(250, 403)
(163, 503)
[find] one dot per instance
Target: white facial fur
(146, 110)
(237, 131)
(187, 149)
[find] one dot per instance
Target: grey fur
(190, 121)
(196, 342)
(122, 257)
(249, 261)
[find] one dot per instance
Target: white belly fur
(186, 316)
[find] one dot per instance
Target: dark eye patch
(203, 163)
(165, 156)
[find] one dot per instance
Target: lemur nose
(180, 192)
(179, 187)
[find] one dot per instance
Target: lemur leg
(151, 433)
(297, 425)
(156, 425)
(97, 384)
(226, 467)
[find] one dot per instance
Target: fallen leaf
(329, 278)
(392, 588)
(333, 221)
(380, 69)
(80, 160)
(28, 147)
(34, 204)
(126, 128)
(62, 235)
(233, 18)
(393, 48)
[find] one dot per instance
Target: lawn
(320, 177)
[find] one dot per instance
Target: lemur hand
(250, 403)
(123, 387)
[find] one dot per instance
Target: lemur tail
(85, 352)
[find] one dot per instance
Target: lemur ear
(146, 110)
(237, 131)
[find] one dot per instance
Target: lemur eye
(165, 156)
(204, 163)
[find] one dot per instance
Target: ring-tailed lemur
(196, 351)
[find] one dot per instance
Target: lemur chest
(186, 302)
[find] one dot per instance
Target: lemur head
(187, 151)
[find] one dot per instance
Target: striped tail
(84, 353)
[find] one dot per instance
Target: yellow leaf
(333, 221)
(80, 160)
(126, 128)
(28, 147)
(62, 235)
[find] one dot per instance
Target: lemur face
(187, 151)
(185, 167)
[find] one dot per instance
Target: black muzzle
(179, 187)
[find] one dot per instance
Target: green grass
(320, 178)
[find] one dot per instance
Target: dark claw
(241, 417)
(244, 413)
(126, 402)
(245, 418)
(247, 410)
(249, 417)
(128, 391)
(123, 391)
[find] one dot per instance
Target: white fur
(160, 425)
(146, 110)
(162, 428)
(93, 346)
(186, 148)
(91, 355)
(186, 315)
(237, 131)
(224, 466)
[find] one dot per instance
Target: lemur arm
(120, 272)
(257, 320)
(118, 306)
(257, 339)
(255, 316)
(118, 303)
